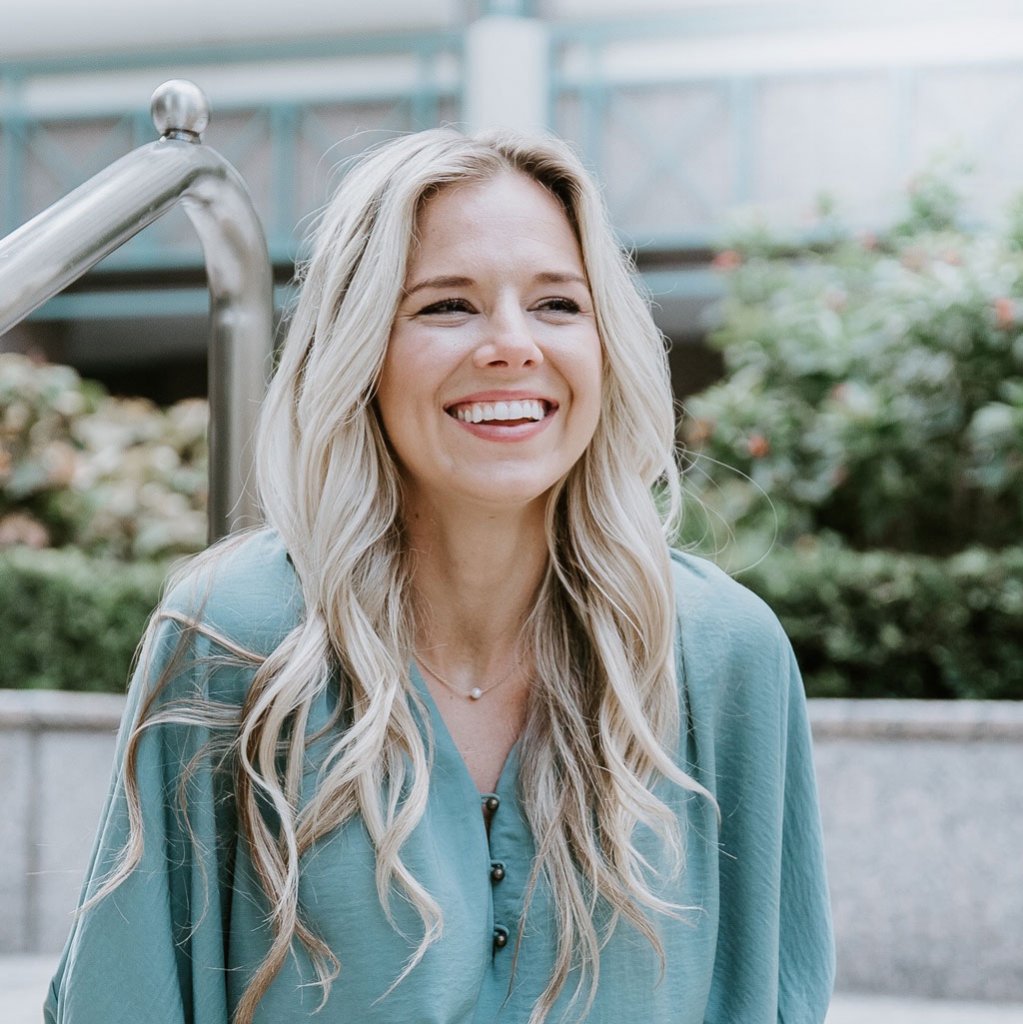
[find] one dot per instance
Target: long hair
(604, 711)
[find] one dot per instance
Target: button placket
(491, 803)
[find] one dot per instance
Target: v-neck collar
(448, 757)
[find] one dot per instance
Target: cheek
(384, 398)
(419, 359)
(588, 382)
(392, 385)
(411, 378)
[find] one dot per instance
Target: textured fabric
(176, 943)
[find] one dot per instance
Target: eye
(558, 305)
(447, 306)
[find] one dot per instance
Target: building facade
(697, 117)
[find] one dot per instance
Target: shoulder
(731, 646)
(718, 610)
(244, 590)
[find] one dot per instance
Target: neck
(475, 578)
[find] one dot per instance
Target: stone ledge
(952, 720)
(36, 710)
(969, 720)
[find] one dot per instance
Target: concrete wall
(56, 753)
(923, 818)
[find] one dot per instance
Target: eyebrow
(544, 277)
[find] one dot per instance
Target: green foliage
(72, 622)
(878, 624)
(111, 476)
(874, 390)
(868, 624)
(863, 456)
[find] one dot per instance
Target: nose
(508, 342)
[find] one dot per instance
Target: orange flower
(727, 260)
(18, 528)
(913, 259)
(699, 431)
(758, 445)
(836, 299)
(1005, 313)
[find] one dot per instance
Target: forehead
(509, 210)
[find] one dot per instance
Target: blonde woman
(457, 738)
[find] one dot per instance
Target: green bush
(863, 624)
(71, 622)
(864, 453)
(880, 624)
(874, 389)
(111, 476)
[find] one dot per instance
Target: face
(491, 385)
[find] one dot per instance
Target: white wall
(39, 27)
(886, 11)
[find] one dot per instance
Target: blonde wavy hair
(605, 708)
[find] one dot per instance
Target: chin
(505, 494)
(511, 498)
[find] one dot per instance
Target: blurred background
(825, 204)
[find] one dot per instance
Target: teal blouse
(178, 940)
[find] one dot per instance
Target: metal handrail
(56, 247)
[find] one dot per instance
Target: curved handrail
(56, 247)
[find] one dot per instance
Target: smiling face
(491, 385)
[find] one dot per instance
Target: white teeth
(483, 412)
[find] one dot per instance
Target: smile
(515, 411)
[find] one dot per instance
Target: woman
(457, 738)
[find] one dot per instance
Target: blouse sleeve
(806, 968)
(153, 949)
(775, 953)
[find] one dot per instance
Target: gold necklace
(476, 692)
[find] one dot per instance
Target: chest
(483, 731)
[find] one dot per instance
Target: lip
(506, 435)
(502, 396)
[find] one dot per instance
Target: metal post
(63, 242)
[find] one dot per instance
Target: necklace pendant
(475, 693)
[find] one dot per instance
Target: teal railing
(287, 145)
(676, 147)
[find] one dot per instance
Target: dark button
(496, 872)
(491, 803)
(500, 937)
